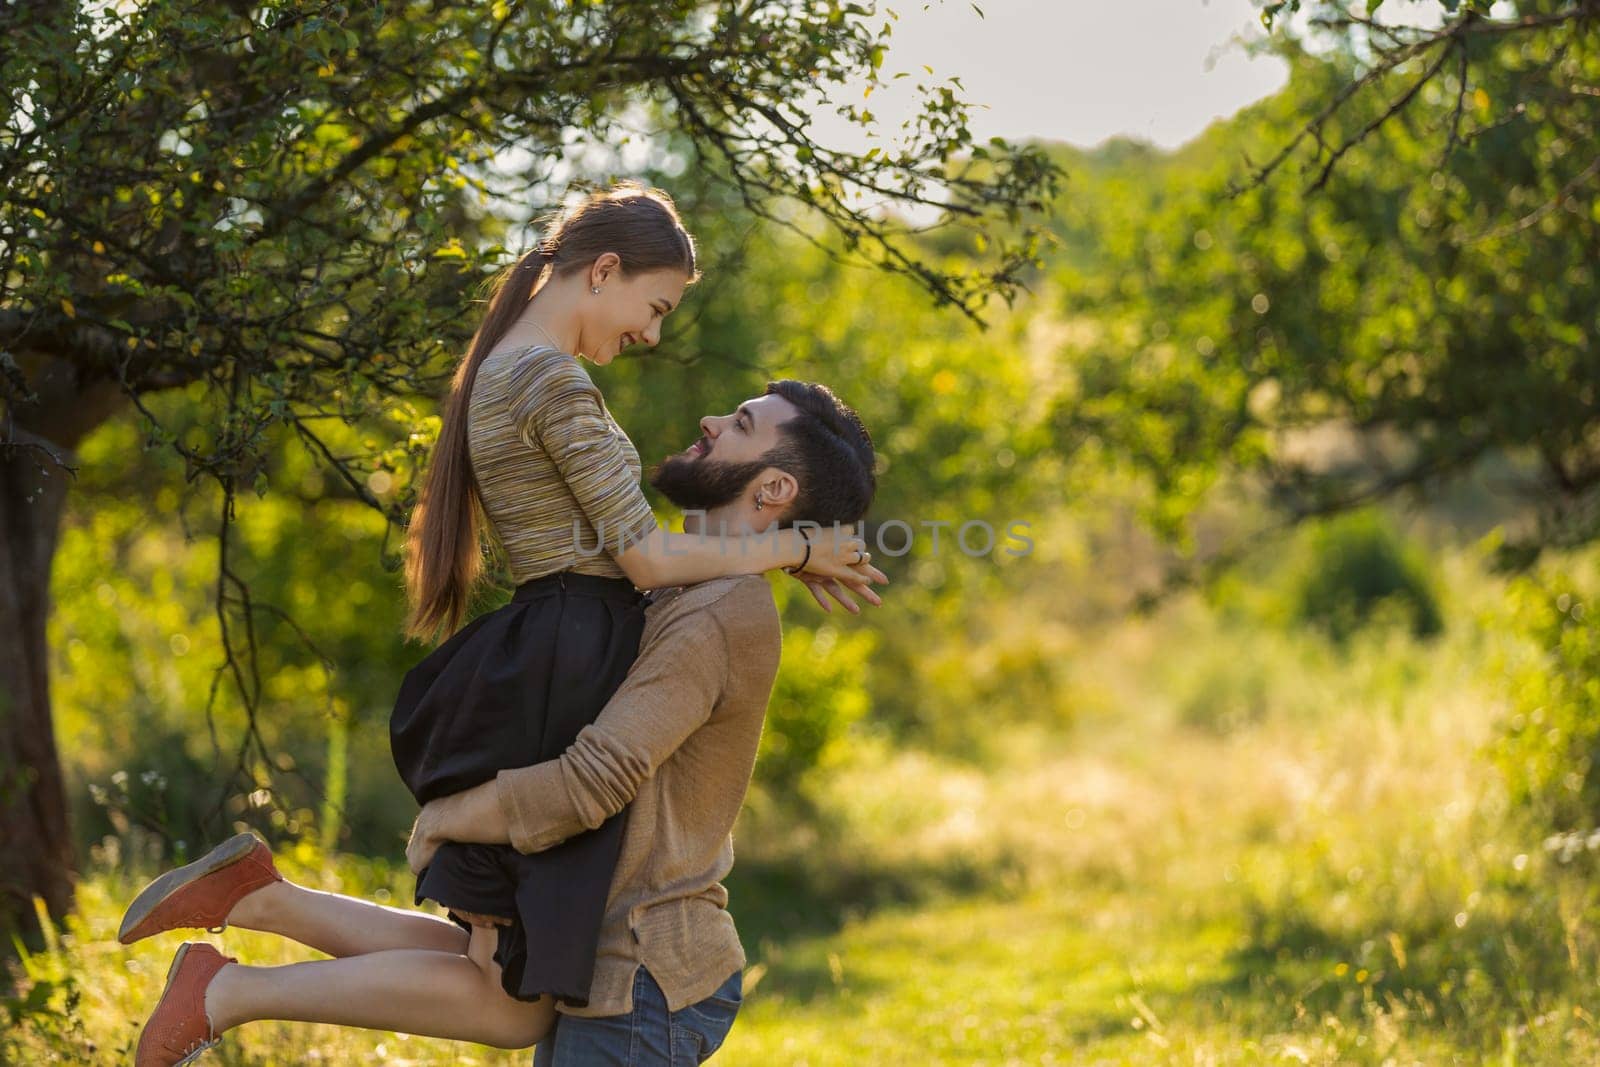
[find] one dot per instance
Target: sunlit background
(1275, 747)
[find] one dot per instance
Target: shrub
(1357, 569)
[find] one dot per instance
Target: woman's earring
(595, 289)
(759, 503)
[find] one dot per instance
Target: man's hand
(472, 816)
(474, 919)
(425, 839)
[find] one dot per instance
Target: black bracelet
(806, 537)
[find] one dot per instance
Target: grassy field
(1250, 847)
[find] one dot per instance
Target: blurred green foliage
(1356, 566)
(1432, 304)
(150, 727)
(1549, 750)
(820, 694)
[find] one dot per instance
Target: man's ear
(777, 487)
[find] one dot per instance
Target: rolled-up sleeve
(557, 409)
(672, 688)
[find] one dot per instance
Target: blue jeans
(650, 1036)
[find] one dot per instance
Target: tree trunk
(35, 844)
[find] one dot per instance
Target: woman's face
(628, 310)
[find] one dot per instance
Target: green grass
(1338, 883)
(1327, 873)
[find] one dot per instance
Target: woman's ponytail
(444, 558)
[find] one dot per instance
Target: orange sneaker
(179, 1030)
(200, 894)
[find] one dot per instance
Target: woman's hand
(839, 562)
(822, 588)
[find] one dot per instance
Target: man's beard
(703, 484)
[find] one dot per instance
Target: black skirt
(512, 688)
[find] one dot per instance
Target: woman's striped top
(557, 476)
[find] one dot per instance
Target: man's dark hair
(827, 449)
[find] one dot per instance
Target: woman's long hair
(444, 554)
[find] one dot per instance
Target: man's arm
(669, 692)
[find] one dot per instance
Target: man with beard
(678, 741)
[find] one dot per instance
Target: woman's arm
(662, 558)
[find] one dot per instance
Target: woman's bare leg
(341, 925)
(415, 991)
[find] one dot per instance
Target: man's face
(743, 435)
(727, 459)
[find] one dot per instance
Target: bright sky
(1078, 70)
